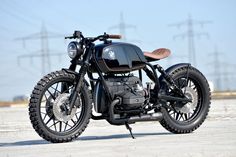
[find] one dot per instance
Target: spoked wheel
(185, 117)
(49, 105)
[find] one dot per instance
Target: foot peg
(130, 130)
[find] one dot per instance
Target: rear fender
(173, 68)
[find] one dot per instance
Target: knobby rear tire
(174, 126)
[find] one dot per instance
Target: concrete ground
(216, 137)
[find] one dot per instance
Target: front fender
(75, 73)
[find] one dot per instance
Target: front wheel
(185, 117)
(49, 104)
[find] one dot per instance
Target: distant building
(20, 98)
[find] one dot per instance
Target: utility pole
(191, 34)
(122, 26)
(44, 54)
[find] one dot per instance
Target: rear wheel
(48, 106)
(187, 117)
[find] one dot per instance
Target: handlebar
(78, 35)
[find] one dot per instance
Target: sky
(151, 18)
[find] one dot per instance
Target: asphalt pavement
(216, 137)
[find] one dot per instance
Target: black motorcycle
(62, 102)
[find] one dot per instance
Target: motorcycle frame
(152, 74)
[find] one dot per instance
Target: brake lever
(77, 34)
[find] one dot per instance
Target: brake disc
(59, 104)
(190, 106)
(49, 107)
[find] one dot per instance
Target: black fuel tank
(119, 57)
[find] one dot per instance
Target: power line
(44, 55)
(21, 12)
(175, 57)
(17, 17)
(191, 34)
(122, 26)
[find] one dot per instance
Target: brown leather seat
(157, 54)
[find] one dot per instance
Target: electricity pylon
(44, 54)
(217, 68)
(191, 34)
(122, 26)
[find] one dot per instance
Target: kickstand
(130, 130)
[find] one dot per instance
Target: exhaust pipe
(148, 117)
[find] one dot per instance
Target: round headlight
(74, 49)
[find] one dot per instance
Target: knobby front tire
(42, 114)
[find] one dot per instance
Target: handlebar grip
(69, 37)
(113, 36)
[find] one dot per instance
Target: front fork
(79, 80)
